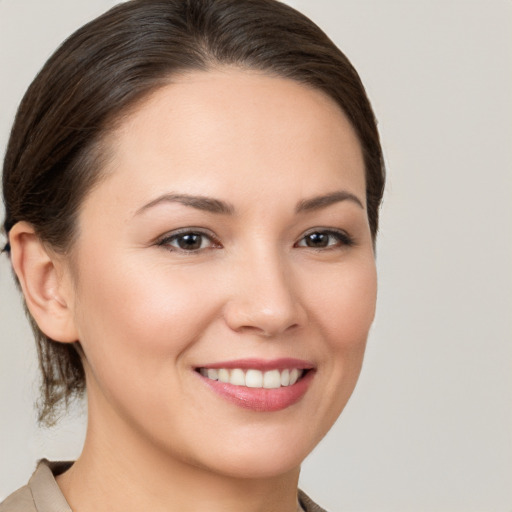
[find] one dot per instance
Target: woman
(192, 193)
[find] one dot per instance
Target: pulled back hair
(54, 155)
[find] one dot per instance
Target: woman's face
(228, 240)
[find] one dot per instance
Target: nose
(264, 298)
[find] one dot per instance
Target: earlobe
(42, 281)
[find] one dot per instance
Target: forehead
(208, 130)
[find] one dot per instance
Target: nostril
(266, 331)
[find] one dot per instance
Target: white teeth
(212, 374)
(237, 377)
(271, 379)
(223, 375)
(294, 375)
(254, 379)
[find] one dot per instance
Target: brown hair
(54, 155)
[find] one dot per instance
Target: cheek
(133, 318)
(342, 307)
(345, 305)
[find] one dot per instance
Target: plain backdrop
(429, 427)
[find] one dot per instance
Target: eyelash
(343, 239)
(167, 240)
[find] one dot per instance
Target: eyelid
(345, 239)
(164, 240)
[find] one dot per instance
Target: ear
(45, 283)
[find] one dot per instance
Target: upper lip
(262, 364)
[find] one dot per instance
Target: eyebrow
(318, 202)
(204, 203)
(209, 204)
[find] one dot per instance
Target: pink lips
(262, 399)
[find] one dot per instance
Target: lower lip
(261, 399)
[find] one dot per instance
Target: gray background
(430, 424)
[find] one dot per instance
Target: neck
(121, 470)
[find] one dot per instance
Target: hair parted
(55, 153)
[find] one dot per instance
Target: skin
(148, 314)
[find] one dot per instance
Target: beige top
(42, 494)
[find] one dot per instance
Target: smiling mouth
(253, 378)
(257, 384)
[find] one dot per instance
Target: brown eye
(317, 240)
(325, 239)
(189, 241)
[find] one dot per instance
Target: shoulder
(19, 501)
(306, 502)
(41, 494)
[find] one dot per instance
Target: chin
(263, 456)
(260, 466)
